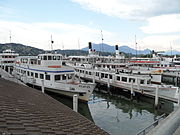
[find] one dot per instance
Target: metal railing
(155, 123)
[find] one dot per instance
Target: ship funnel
(90, 47)
(117, 50)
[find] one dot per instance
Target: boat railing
(148, 128)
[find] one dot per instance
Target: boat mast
(78, 46)
(171, 48)
(136, 46)
(9, 36)
(102, 41)
(51, 43)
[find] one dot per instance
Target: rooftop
(25, 111)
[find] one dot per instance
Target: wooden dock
(26, 111)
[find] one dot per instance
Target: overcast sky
(73, 23)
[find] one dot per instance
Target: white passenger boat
(48, 71)
(176, 61)
(123, 80)
(7, 60)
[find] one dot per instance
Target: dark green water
(118, 115)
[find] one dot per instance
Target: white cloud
(38, 34)
(162, 24)
(132, 9)
(160, 42)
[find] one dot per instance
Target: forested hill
(23, 50)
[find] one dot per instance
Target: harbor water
(117, 114)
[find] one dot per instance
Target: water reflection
(117, 114)
(120, 115)
(83, 108)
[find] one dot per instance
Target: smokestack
(117, 50)
(90, 47)
(116, 47)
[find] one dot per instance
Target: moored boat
(48, 71)
(7, 59)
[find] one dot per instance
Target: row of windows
(8, 62)
(8, 56)
(50, 57)
(103, 75)
(36, 75)
(46, 77)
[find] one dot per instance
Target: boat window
(89, 73)
(58, 57)
(36, 75)
(45, 58)
(41, 76)
(54, 57)
(49, 57)
(110, 76)
(39, 62)
(106, 75)
(124, 79)
(63, 77)
(32, 73)
(149, 81)
(70, 76)
(57, 77)
(141, 81)
(132, 79)
(97, 73)
(28, 73)
(86, 72)
(118, 78)
(47, 77)
(102, 75)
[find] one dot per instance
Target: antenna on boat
(102, 40)
(51, 43)
(171, 48)
(78, 46)
(9, 36)
(62, 45)
(78, 43)
(136, 46)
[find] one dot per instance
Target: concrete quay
(169, 126)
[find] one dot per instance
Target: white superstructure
(7, 59)
(48, 71)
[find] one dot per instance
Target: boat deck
(25, 111)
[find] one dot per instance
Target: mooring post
(138, 84)
(79, 75)
(93, 77)
(179, 97)
(8, 70)
(75, 103)
(132, 91)
(156, 97)
(42, 87)
(108, 81)
(108, 84)
(176, 78)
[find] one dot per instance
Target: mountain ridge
(108, 50)
(126, 49)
